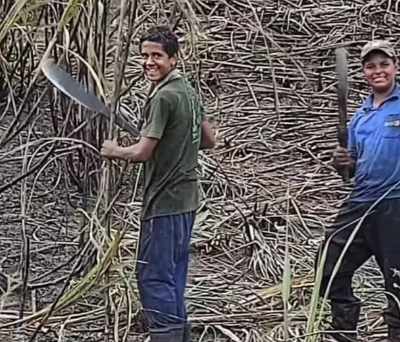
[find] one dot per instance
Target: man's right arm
(339, 166)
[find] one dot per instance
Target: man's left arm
(151, 133)
(208, 138)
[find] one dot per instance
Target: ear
(174, 60)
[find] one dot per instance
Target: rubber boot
(394, 334)
(175, 335)
(187, 333)
(344, 321)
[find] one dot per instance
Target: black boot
(344, 321)
(394, 334)
(175, 335)
(187, 333)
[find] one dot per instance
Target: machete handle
(345, 174)
(343, 138)
(126, 126)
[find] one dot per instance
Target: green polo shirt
(173, 116)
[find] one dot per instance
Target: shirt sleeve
(156, 118)
(352, 143)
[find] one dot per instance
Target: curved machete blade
(70, 87)
(341, 70)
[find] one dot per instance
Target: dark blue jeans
(164, 247)
(379, 236)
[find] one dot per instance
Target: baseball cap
(378, 45)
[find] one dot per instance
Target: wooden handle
(342, 137)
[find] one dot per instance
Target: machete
(70, 87)
(342, 89)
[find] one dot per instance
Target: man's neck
(379, 97)
(155, 85)
(171, 72)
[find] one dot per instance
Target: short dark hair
(164, 36)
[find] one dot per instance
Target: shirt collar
(395, 94)
(172, 75)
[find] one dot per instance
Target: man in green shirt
(174, 129)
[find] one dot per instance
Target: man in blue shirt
(373, 160)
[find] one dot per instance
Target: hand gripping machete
(342, 91)
(69, 86)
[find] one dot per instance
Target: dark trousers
(163, 259)
(379, 236)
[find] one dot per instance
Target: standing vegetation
(69, 220)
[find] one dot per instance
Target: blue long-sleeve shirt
(374, 142)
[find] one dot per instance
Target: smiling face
(379, 71)
(156, 62)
